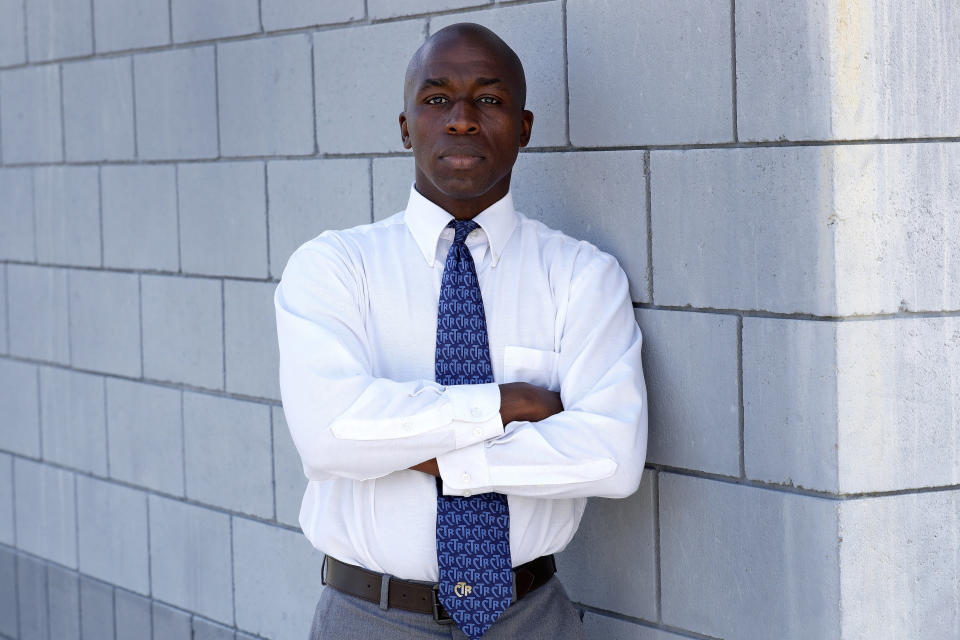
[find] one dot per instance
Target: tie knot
(461, 229)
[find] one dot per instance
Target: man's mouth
(461, 161)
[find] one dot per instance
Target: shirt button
(476, 412)
(465, 477)
(478, 431)
(467, 494)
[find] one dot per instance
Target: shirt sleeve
(597, 445)
(344, 421)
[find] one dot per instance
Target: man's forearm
(518, 401)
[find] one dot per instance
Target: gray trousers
(544, 614)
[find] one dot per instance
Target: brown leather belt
(420, 597)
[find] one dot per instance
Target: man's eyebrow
(483, 82)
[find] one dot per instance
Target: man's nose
(462, 118)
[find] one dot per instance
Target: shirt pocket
(536, 366)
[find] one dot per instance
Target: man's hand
(518, 401)
(524, 401)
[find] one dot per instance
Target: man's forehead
(464, 56)
(466, 52)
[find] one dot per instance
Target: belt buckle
(440, 615)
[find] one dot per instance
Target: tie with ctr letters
(473, 533)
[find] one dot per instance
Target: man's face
(465, 123)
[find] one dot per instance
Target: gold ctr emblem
(462, 589)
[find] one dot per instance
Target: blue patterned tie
(473, 534)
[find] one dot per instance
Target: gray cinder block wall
(780, 180)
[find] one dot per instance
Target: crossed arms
(587, 440)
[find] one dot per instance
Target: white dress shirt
(357, 317)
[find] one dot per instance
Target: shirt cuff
(476, 412)
(465, 472)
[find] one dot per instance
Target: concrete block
(182, 325)
(823, 230)
(599, 197)
(852, 407)
(392, 178)
(176, 96)
(98, 110)
(20, 408)
(898, 385)
(821, 71)
(58, 29)
(690, 366)
(665, 93)
(126, 24)
(393, 8)
(206, 630)
(63, 591)
(107, 511)
(96, 609)
(46, 513)
(894, 214)
(3, 310)
(291, 14)
(265, 96)
(213, 19)
(30, 104)
(37, 310)
(277, 580)
(238, 475)
(190, 553)
(289, 479)
(32, 599)
(614, 572)
(599, 627)
(223, 218)
(8, 592)
(73, 419)
(540, 51)
(730, 552)
(744, 229)
(790, 402)
(310, 196)
(170, 623)
(900, 567)
(252, 356)
(13, 45)
(105, 321)
(7, 535)
(383, 51)
(67, 213)
(132, 615)
(16, 216)
(140, 217)
(145, 435)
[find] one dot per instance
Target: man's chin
(463, 188)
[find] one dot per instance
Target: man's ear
(404, 134)
(526, 126)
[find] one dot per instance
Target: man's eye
(489, 100)
(436, 100)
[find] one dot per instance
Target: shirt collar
(426, 220)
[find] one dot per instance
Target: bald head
(472, 35)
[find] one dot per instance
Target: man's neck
(465, 208)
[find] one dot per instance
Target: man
(458, 379)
